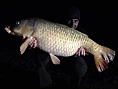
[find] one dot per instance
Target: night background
(98, 18)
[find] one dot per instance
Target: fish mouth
(7, 29)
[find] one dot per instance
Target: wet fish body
(61, 40)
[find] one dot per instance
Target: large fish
(60, 40)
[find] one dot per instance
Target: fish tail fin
(102, 57)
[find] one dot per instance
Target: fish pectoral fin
(24, 46)
(54, 59)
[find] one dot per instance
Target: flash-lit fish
(60, 40)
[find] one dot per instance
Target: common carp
(60, 40)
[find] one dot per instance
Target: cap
(74, 13)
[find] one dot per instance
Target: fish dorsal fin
(24, 46)
(54, 59)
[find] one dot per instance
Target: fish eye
(18, 22)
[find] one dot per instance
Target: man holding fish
(70, 43)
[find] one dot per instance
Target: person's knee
(81, 67)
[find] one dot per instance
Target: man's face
(73, 23)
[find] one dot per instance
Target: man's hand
(33, 42)
(81, 51)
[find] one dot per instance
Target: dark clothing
(44, 76)
(69, 72)
(79, 71)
